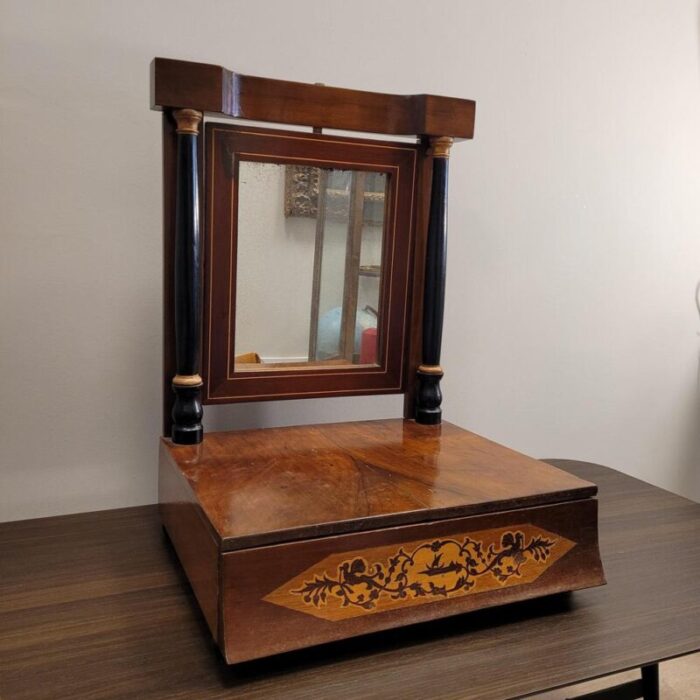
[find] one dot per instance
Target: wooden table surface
(95, 606)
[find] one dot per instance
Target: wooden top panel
(216, 90)
(282, 484)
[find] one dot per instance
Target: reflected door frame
(352, 272)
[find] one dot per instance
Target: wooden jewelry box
(321, 273)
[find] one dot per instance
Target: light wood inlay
(187, 380)
(281, 484)
(430, 369)
(441, 146)
(188, 121)
(353, 584)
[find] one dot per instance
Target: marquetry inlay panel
(369, 581)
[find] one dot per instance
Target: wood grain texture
(261, 615)
(95, 606)
(189, 531)
(214, 89)
(282, 484)
(415, 350)
(227, 146)
(327, 493)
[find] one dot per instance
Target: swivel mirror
(309, 240)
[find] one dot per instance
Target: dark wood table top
(95, 606)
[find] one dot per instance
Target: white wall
(571, 328)
(273, 310)
(275, 267)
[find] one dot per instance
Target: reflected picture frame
(302, 185)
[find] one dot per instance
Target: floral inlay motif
(387, 577)
(438, 568)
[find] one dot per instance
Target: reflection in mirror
(309, 264)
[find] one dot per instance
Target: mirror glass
(309, 266)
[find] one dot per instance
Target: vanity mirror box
(302, 262)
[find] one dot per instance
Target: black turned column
(187, 384)
(428, 395)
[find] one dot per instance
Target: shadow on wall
(697, 306)
(690, 464)
(690, 477)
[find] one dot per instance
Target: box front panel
(299, 594)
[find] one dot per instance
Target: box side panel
(299, 594)
(194, 542)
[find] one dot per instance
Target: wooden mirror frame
(186, 92)
(226, 146)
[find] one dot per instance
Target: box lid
(271, 485)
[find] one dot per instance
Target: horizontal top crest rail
(216, 90)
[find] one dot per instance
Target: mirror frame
(225, 146)
(186, 93)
